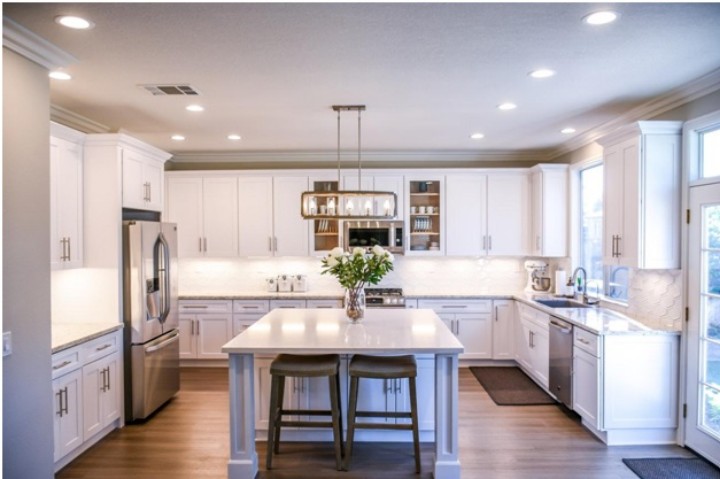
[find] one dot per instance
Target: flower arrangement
(356, 269)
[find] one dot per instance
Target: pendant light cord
(338, 150)
(359, 167)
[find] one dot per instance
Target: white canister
(299, 283)
(284, 283)
(271, 285)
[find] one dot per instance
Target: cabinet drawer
(66, 361)
(587, 341)
(539, 318)
(100, 347)
(287, 303)
(192, 306)
(324, 303)
(251, 306)
(241, 322)
(456, 306)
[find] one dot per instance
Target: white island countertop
(313, 331)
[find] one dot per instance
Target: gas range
(384, 298)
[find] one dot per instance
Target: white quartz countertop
(313, 331)
(67, 335)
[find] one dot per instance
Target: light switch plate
(7, 344)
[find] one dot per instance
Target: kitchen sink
(561, 303)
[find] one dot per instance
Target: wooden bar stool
(291, 365)
(382, 367)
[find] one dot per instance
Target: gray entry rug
(509, 386)
(672, 468)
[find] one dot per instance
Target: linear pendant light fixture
(349, 204)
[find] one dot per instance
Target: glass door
(703, 381)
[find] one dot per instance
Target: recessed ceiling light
(178, 138)
(600, 18)
(542, 73)
(507, 106)
(194, 108)
(477, 136)
(567, 131)
(234, 137)
(71, 21)
(59, 75)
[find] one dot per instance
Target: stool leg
(342, 443)
(352, 409)
(280, 402)
(414, 414)
(335, 410)
(272, 418)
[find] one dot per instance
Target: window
(591, 225)
(710, 152)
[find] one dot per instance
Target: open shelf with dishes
(425, 215)
(326, 232)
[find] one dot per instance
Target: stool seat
(383, 367)
(305, 366)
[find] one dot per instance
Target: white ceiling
(430, 74)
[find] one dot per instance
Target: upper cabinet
(324, 233)
(206, 212)
(426, 208)
(487, 214)
(290, 230)
(142, 180)
(642, 195)
(66, 197)
(549, 210)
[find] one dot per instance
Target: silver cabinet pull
(537, 242)
(69, 253)
(250, 307)
(59, 412)
(619, 253)
(275, 244)
(64, 409)
(149, 192)
(454, 306)
(61, 365)
(194, 306)
(496, 314)
(458, 326)
(489, 242)
(584, 341)
(104, 346)
(205, 244)
(270, 244)
(530, 339)
(484, 242)
(200, 244)
(398, 386)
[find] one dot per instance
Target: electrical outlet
(7, 344)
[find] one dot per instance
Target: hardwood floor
(188, 439)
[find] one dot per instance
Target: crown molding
(469, 156)
(33, 47)
(78, 122)
(125, 140)
(698, 88)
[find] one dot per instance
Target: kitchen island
(322, 331)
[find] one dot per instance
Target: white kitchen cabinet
(101, 394)
(287, 303)
(487, 214)
(586, 379)
(246, 312)
(68, 407)
(205, 326)
(206, 212)
(503, 329)
(469, 320)
(66, 197)
(324, 303)
(142, 180)
(425, 227)
(533, 343)
(270, 220)
(549, 210)
(642, 182)
(377, 181)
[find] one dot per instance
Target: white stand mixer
(537, 279)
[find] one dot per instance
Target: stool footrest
(384, 414)
(306, 423)
(305, 412)
(372, 425)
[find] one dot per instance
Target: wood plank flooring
(188, 439)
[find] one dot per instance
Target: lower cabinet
(205, 327)
(586, 384)
(532, 347)
(503, 329)
(470, 320)
(87, 395)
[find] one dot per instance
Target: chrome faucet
(577, 271)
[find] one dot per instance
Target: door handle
(64, 408)
(275, 243)
(489, 242)
(619, 253)
(537, 242)
(171, 340)
(69, 253)
(484, 242)
(200, 244)
(205, 244)
(59, 412)
(270, 244)
(149, 192)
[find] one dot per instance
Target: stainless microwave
(368, 233)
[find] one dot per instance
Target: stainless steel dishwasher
(561, 349)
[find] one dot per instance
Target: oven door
(366, 234)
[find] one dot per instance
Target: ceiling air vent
(170, 89)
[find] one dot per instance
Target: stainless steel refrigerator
(152, 338)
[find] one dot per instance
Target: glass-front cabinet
(325, 234)
(425, 215)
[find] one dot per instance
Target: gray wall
(27, 388)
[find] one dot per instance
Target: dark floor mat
(509, 386)
(672, 468)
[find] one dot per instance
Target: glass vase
(355, 304)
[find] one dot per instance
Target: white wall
(27, 391)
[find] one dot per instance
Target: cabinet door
(613, 201)
(522, 344)
(585, 386)
(153, 179)
(184, 207)
(466, 212)
(67, 410)
(186, 326)
(425, 384)
(503, 329)
(101, 395)
(134, 185)
(256, 216)
(220, 217)
(67, 203)
(474, 330)
(214, 330)
(540, 355)
(111, 399)
(628, 246)
(375, 395)
(291, 230)
(507, 215)
(536, 240)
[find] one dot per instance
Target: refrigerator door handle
(175, 337)
(163, 273)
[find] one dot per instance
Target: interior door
(703, 379)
